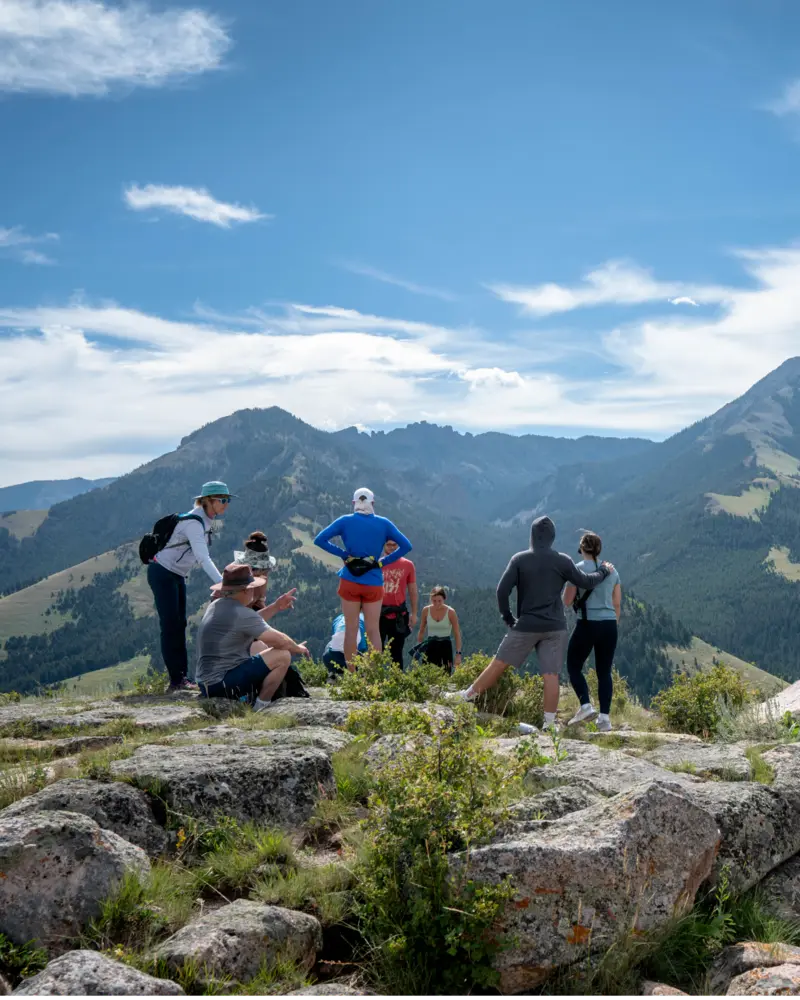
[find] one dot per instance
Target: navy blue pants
(169, 591)
(602, 638)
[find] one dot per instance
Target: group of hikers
(241, 656)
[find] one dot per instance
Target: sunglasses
(223, 500)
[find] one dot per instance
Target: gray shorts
(516, 647)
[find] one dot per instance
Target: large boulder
(88, 973)
(323, 737)
(724, 760)
(588, 880)
(237, 939)
(112, 805)
(776, 981)
(57, 869)
(781, 889)
(269, 784)
(739, 958)
(760, 827)
(327, 712)
(65, 747)
(554, 803)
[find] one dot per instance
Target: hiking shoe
(604, 725)
(261, 706)
(462, 696)
(584, 714)
(527, 729)
(183, 685)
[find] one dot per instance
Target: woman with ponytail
(598, 613)
(255, 554)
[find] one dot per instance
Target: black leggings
(602, 638)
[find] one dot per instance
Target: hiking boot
(462, 696)
(603, 724)
(584, 714)
(184, 684)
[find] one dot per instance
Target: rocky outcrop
(88, 973)
(151, 714)
(327, 712)
(266, 784)
(237, 939)
(740, 958)
(330, 990)
(724, 760)
(322, 737)
(777, 981)
(554, 803)
(57, 868)
(585, 881)
(65, 747)
(781, 889)
(114, 806)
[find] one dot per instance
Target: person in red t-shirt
(399, 580)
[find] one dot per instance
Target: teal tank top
(442, 629)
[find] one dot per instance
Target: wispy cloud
(683, 300)
(76, 47)
(789, 101)
(390, 279)
(617, 282)
(18, 244)
(196, 203)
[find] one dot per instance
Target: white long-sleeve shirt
(188, 547)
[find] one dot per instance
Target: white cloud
(617, 282)
(17, 243)
(683, 300)
(789, 101)
(76, 47)
(390, 279)
(197, 203)
(493, 378)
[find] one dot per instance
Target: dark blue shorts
(243, 681)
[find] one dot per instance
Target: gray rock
(63, 747)
(650, 989)
(237, 939)
(760, 827)
(112, 805)
(634, 736)
(739, 958)
(322, 737)
(149, 715)
(330, 990)
(266, 784)
(5, 987)
(778, 981)
(327, 712)
(58, 867)
(554, 803)
(88, 973)
(721, 759)
(785, 760)
(586, 881)
(388, 748)
(781, 888)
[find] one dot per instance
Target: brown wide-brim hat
(237, 577)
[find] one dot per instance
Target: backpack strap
(580, 602)
(185, 542)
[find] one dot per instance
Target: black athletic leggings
(602, 638)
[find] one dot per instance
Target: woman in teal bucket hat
(186, 548)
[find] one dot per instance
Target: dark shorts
(335, 663)
(243, 681)
(516, 647)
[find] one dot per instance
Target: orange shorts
(359, 592)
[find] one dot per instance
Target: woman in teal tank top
(437, 629)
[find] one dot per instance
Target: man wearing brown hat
(225, 666)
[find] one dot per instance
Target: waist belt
(392, 610)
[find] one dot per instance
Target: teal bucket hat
(215, 489)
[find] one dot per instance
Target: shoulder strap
(580, 602)
(185, 543)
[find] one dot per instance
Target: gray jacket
(539, 576)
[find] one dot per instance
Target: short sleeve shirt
(224, 637)
(599, 606)
(396, 579)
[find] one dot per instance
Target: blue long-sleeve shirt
(363, 535)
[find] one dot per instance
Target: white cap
(362, 493)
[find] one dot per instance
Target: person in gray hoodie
(538, 576)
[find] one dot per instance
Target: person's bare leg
(372, 623)
(490, 676)
(351, 610)
(551, 691)
(278, 661)
(257, 647)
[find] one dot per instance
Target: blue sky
(373, 213)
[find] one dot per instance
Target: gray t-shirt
(599, 605)
(224, 637)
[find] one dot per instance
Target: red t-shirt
(396, 579)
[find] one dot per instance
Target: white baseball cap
(362, 493)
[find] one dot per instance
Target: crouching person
(230, 633)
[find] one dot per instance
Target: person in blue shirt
(333, 656)
(596, 629)
(363, 536)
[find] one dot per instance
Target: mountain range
(703, 525)
(44, 493)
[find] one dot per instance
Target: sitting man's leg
(277, 662)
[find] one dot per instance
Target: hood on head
(543, 533)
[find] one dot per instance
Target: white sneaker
(261, 706)
(527, 728)
(459, 695)
(584, 714)
(604, 724)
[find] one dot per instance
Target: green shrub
(383, 718)
(378, 678)
(697, 704)
(314, 673)
(153, 682)
(19, 961)
(10, 697)
(429, 928)
(515, 696)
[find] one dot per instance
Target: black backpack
(157, 539)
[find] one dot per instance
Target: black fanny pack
(359, 565)
(397, 614)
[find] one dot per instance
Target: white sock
(588, 704)
(549, 718)
(262, 704)
(470, 694)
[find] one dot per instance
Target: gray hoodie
(539, 576)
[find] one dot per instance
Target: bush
(383, 718)
(429, 928)
(18, 961)
(515, 696)
(378, 678)
(314, 673)
(153, 682)
(697, 704)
